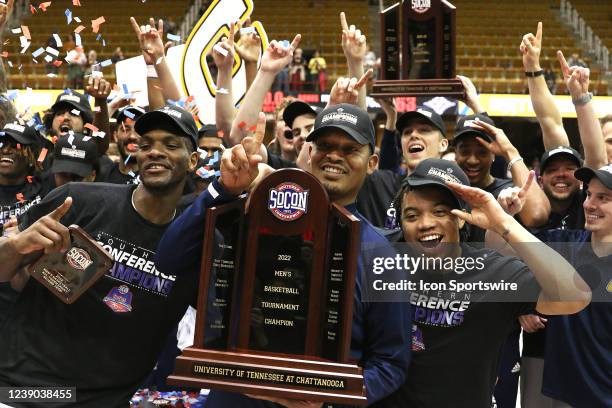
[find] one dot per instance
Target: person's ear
(193, 161)
(372, 163)
(443, 146)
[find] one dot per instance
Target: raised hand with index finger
(353, 41)
(346, 90)
(239, 165)
(576, 78)
(225, 60)
(531, 47)
(278, 55)
(512, 199)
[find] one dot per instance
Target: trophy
(418, 50)
(67, 275)
(275, 299)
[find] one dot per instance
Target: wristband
(583, 100)
(534, 74)
(512, 162)
(151, 72)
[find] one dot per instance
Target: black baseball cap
(129, 112)
(298, 108)
(421, 112)
(23, 134)
(348, 118)
(171, 116)
(208, 130)
(604, 174)
(75, 153)
(73, 99)
(464, 127)
(560, 151)
(437, 172)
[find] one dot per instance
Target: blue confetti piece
(129, 114)
(127, 159)
(173, 37)
(285, 44)
(68, 14)
(125, 89)
(31, 122)
(218, 173)
(38, 127)
(38, 52)
(98, 37)
(12, 95)
(106, 63)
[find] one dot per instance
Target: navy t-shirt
(578, 356)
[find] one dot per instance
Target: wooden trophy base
(272, 376)
(418, 87)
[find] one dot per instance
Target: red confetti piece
(18, 146)
(91, 127)
(57, 63)
(54, 139)
(253, 128)
(76, 3)
(44, 6)
(129, 121)
(79, 29)
(220, 134)
(132, 146)
(95, 24)
(29, 179)
(43, 153)
(32, 9)
(242, 125)
(20, 197)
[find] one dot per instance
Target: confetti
(26, 32)
(222, 91)
(95, 24)
(76, 3)
(16, 30)
(18, 146)
(57, 63)
(52, 51)
(99, 134)
(248, 30)
(10, 64)
(129, 115)
(32, 9)
(71, 139)
(173, 37)
(79, 29)
(77, 39)
(220, 134)
(253, 128)
(44, 6)
(97, 109)
(25, 44)
(48, 58)
(76, 112)
(78, 20)
(86, 138)
(159, 60)
(43, 154)
(132, 146)
(91, 127)
(38, 52)
(284, 44)
(242, 125)
(220, 49)
(106, 63)
(68, 14)
(57, 39)
(127, 160)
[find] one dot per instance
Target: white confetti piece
(78, 20)
(106, 63)
(173, 37)
(52, 51)
(57, 39)
(38, 52)
(77, 40)
(248, 30)
(16, 30)
(75, 112)
(48, 58)
(222, 91)
(220, 49)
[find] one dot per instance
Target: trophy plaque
(418, 50)
(275, 299)
(67, 275)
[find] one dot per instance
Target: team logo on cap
(15, 126)
(421, 6)
(424, 112)
(78, 258)
(560, 149)
(443, 175)
(340, 116)
(172, 112)
(288, 201)
(119, 299)
(69, 97)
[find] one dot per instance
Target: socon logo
(288, 201)
(421, 6)
(78, 258)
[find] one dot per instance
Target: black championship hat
(465, 128)
(604, 174)
(208, 130)
(298, 108)
(23, 134)
(437, 172)
(75, 153)
(170, 116)
(558, 151)
(348, 118)
(74, 100)
(421, 112)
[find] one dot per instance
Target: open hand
(150, 40)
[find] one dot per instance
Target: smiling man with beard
(454, 361)
(92, 344)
